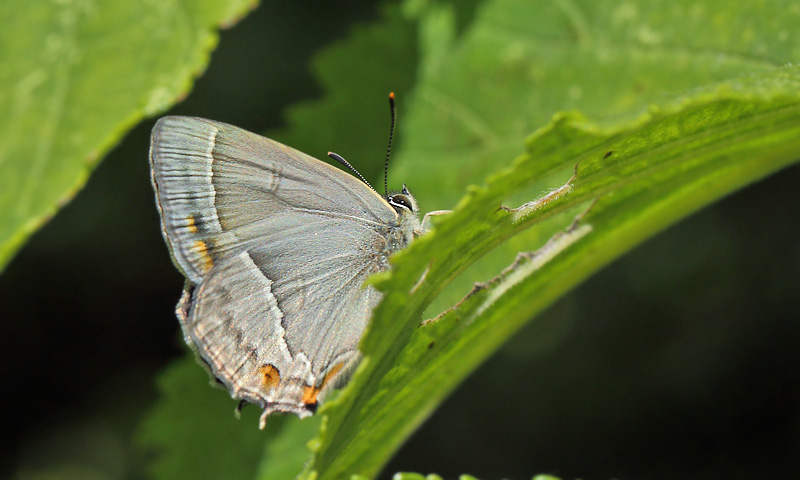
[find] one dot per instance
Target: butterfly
(275, 246)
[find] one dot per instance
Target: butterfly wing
(276, 246)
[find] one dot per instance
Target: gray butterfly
(275, 247)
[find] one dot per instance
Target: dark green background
(679, 360)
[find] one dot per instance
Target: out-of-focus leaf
(355, 108)
(191, 432)
(75, 77)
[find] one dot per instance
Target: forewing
(219, 187)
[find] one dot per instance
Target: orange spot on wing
(270, 376)
(190, 224)
(310, 393)
(201, 248)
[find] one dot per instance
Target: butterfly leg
(426, 221)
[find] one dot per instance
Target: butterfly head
(408, 224)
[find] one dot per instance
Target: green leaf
(76, 76)
(631, 182)
(635, 176)
(518, 63)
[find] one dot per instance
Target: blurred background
(678, 360)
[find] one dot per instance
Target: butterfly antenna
(344, 162)
(389, 148)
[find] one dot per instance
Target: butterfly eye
(401, 200)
